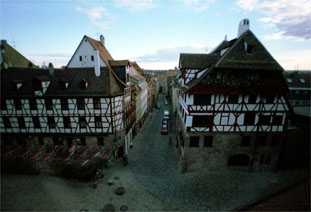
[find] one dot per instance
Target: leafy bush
(18, 166)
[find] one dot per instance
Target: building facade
(299, 86)
(232, 108)
(140, 89)
(58, 107)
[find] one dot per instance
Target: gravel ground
(152, 182)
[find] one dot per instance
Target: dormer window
(83, 84)
(16, 84)
(248, 48)
(40, 84)
(64, 84)
(302, 81)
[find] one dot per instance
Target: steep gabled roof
(13, 58)
(196, 61)
(97, 45)
(104, 85)
(235, 58)
(103, 52)
(259, 58)
(223, 45)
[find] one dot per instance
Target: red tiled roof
(103, 52)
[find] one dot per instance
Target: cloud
(93, 13)
(197, 5)
(169, 54)
(291, 60)
(99, 16)
(137, 5)
(57, 59)
(291, 18)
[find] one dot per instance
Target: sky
(154, 32)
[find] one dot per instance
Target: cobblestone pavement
(152, 182)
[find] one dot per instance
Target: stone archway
(238, 160)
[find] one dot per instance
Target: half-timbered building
(232, 107)
(57, 107)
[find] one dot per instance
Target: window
(18, 104)
(127, 77)
(194, 141)
(33, 104)
(96, 103)
(264, 119)
(48, 104)
(36, 122)
(250, 49)
(3, 104)
(277, 120)
(302, 81)
(67, 123)
(249, 119)
(82, 122)
(261, 140)
(252, 99)
(64, 104)
(245, 141)
(202, 99)
(275, 140)
(80, 103)
(233, 99)
(51, 122)
(6, 122)
(203, 121)
(208, 141)
(100, 141)
(80, 58)
(289, 80)
(21, 122)
(92, 58)
(98, 121)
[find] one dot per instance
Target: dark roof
(104, 85)
(236, 59)
(223, 45)
(118, 62)
(297, 79)
(196, 61)
(258, 59)
(13, 58)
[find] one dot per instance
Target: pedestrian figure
(170, 141)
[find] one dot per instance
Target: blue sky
(154, 32)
